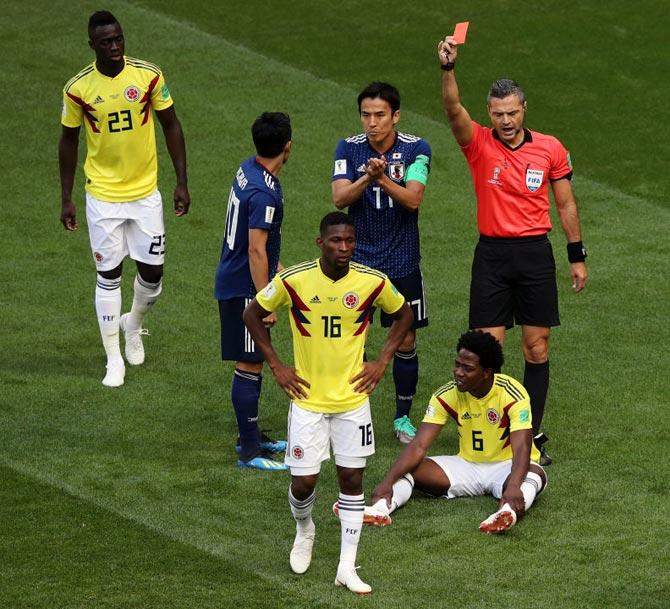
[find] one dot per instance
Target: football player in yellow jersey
(496, 451)
(114, 99)
(331, 301)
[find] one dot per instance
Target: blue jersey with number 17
(387, 234)
(255, 201)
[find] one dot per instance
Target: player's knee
(151, 273)
(115, 273)
(408, 343)
(350, 480)
(538, 476)
(303, 486)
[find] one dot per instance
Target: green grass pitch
(130, 498)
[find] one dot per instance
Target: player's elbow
(340, 200)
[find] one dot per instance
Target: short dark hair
(334, 218)
(382, 90)
(484, 345)
(504, 87)
(100, 19)
(271, 131)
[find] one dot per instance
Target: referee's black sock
(536, 382)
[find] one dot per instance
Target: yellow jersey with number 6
(484, 424)
(121, 162)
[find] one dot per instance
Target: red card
(461, 31)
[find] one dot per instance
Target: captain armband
(576, 252)
(419, 170)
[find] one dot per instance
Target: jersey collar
(391, 147)
(527, 137)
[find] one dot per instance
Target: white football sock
(108, 310)
(302, 511)
(144, 296)
(351, 522)
(530, 487)
(402, 491)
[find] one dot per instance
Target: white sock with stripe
(108, 310)
(144, 296)
(351, 522)
(302, 511)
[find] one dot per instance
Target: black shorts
(236, 343)
(412, 288)
(513, 281)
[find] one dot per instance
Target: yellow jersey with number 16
(329, 321)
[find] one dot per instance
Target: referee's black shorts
(513, 281)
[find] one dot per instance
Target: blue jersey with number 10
(255, 201)
(387, 234)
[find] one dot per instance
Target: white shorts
(311, 435)
(474, 479)
(134, 229)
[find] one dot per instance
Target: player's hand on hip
(182, 200)
(68, 216)
(446, 50)
(579, 275)
(290, 382)
(368, 378)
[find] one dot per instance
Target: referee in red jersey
(513, 271)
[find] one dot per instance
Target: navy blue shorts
(412, 288)
(513, 281)
(236, 342)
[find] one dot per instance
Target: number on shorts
(231, 219)
(477, 441)
(157, 247)
(123, 117)
(366, 434)
(419, 311)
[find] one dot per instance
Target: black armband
(576, 252)
(448, 67)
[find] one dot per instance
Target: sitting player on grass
(496, 452)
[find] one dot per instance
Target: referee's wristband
(576, 252)
(448, 67)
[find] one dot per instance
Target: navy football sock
(405, 377)
(245, 393)
(536, 382)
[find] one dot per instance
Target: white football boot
(499, 522)
(301, 552)
(347, 577)
(116, 373)
(133, 338)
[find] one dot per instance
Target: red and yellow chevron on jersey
(121, 162)
(484, 424)
(328, 322)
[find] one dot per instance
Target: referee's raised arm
(459, 119)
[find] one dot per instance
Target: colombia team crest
(132, 93)
(350, 300)
(492, 416)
